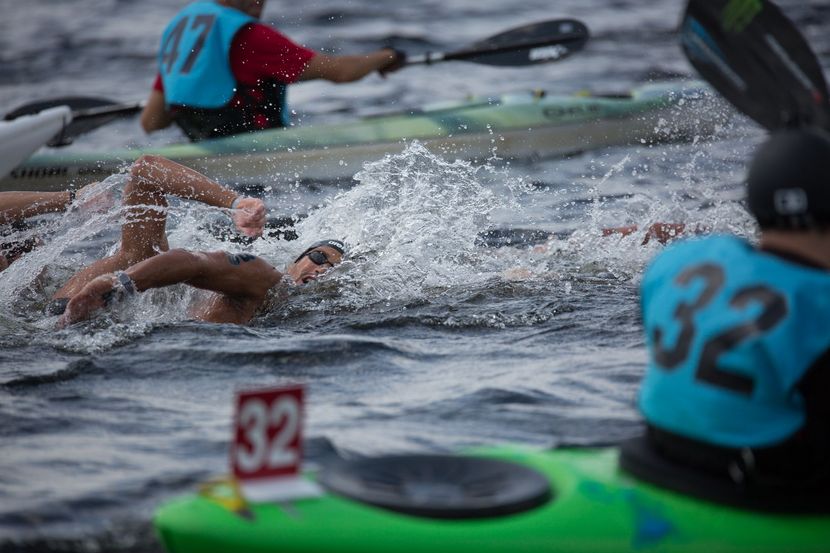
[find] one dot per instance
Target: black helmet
(788, 186)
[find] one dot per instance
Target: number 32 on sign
(267, 448)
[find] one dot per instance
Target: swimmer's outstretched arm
(16, 206)
(155, 174)
(242, 280)
(662, 232)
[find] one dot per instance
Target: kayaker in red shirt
(222, 72)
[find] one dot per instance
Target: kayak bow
(590, 506)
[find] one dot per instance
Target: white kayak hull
(22, 137)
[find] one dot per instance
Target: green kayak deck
(594, 508)
(531, 125)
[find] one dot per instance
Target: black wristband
(122, 288)
(71, 195)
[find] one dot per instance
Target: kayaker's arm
(346, 69)
(155, 116)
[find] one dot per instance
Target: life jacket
(246, 113)
(199, 86)
(731, 330)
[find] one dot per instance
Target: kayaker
(240, 284)
(738, 381)
(222, 72)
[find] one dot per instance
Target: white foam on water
(411, 226)
(61, 233)
(588, 252)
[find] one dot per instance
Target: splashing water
(36, 269)
(707, 206)
(411, 224)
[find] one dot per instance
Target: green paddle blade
(757, 59)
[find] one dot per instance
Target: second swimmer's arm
(16, 206)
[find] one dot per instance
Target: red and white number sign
(268, 434)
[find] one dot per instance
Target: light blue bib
(194, 60)
(730, 332)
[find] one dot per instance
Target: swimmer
(143, 235)
(239, 284)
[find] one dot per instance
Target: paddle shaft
(468, 54)
(116, 109)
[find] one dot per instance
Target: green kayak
(527, 125)
(565, 500)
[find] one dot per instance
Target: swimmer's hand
(661, 232)
(90, 299)
(249, 216)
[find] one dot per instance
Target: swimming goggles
(318, 258)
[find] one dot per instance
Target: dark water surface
(424, 340)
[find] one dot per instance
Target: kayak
(506, 499)
(23, 136)
(529, 125)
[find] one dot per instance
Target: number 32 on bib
(267, 449)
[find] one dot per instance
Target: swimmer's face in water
(313, 263)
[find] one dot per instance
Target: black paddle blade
(756, 58)
(79, 125)
(532, 44)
